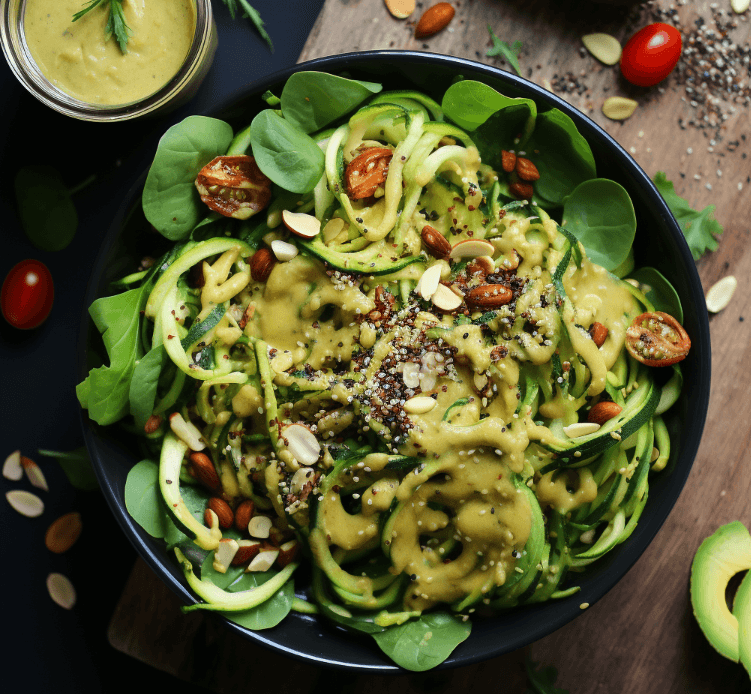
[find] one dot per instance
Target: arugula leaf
(116, 25)
(543, 680)
(249, 12)
(76, 466)
(699, 227)
(503, 50)
(143, 385)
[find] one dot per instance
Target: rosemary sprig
(116, 25)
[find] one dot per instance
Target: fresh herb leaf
(116, 25)
(77, 467)
(699, 227)
(543, 680)
(249, 12)
(503, 50)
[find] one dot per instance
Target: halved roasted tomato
(657, 339)
(367, 171)
(234, 186)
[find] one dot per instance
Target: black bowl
(659, 243)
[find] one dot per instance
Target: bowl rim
(643, 534)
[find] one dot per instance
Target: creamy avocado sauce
(76, 57)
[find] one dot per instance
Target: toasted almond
(599, 333)
(522, 191)
(720, 294)
(34, 473)
(739, 6)
(574, 431)
(264, 560)
(12, 469)
(429, 281)
(223, 512)
(301, 224)
(302, 443)
(284, 251)
(604, 47)
(63, 533)
(446, 300)
(187, 432)
(61, 590)
(483, 265)
(26, 503)
(401, 9)
(224, 554)
(619, 107)
(437, 244)
(202, 467)
(247, 549)
(489, 296)
(300, 479)
(287, 553)
(420, 404)
(152, 424)
(434, 19)
(243, 513)
(603, 411)
(508, 161)
(526, 170)
(261, 264)
(259, 527)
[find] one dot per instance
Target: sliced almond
(259, 527)
(604, 47)
(480, 380)
(720, 294)
(63, 533)
(401, 9)
(420, 404)
(224, 554)
(619, 108)
(187, 432)
(26, 503)
(12, 469)
(34, 473)
(61, 590)
(574, 431)
(333, 228)
(300, 479)
(284, 251)
(301, 224)
(411, 374)
(472, 248)
(287, 553)
(429, 281)
(302, 443)
(445, 299)
(739, 6)
(263, 561)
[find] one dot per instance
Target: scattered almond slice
(333, 228)
(401, 9)
(739, 6)
(411, 375)
(302, 443)
(34, 473)
(472, 248)
(300, 479)
(720, 294)
(421, 404)
(301, 224)
(12, 469)
(574, 431)
(283, 251)
(619, 108)
(63, 533)
(263, 561)
(429, 281)
(224, 554)
(61, 590)
(604, 47)
(445, 299)
(26, 503)
(259, 527)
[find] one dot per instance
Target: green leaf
(170, 199)
(47, 213)
(288, 156)
(143, 499)
(699, 227)
(268, 614)
(221, 580)
(143, 385)
(422, 644)
(249, 12)
(117, 26)
(600, 214)
(311, 100)
(77, 467)
(503, 50)
(659, 291)
(470, 103)
(542, 681)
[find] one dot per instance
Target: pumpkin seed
(61, 590)
(604, 47)
(720, 293)
(619, 107)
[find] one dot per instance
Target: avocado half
(720, 557)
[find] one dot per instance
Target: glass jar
(181, 87)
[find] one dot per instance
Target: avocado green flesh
(720, 557)
(742, 612)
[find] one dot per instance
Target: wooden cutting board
(641, 638)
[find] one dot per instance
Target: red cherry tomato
(27, 294)
(651, 54)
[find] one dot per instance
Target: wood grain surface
(641, 638)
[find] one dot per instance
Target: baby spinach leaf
(143, 384)
(144, 500)
(562, 156)
(312, 100)
(77, 467)
(601, 215)
(659, 291)
(268, 614)
(501, 131)
(288, 156)
(423, 643)
(48, 215)
(699, 227)
(170, 200)
(503, 50)
(470, 103)
(220, 580)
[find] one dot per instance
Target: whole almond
(508, 161)
(243, 514)
(434, 19)
(603, 411)
(203, 469)
(63, 533)
(261, 264)
(526, 170)
(488, 296)
(598, 332)
(223, 512)
(523, 191)
(152, 424)
(437, 244)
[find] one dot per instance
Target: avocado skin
(718, 559)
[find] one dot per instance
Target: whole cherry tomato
(651, 54)
(27, 294)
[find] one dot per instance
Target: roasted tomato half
(657, 339)
(234, 186)
(367, 171)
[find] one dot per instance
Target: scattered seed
(12, 469)
(61, 590)
(63, 533)
(604, 47)
(26, 503)
(619, 107)
(720, 293)
(34, 473)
